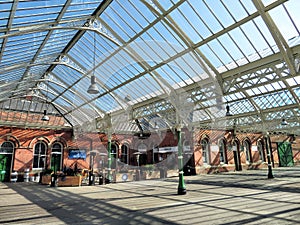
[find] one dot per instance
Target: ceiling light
(93, 89)
(228, 111)
(284, 122)
(45, 117)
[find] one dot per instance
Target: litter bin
(100, 179)
(91, 178)
(26, 175)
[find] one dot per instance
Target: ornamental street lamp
(181, 185)
(268, 148)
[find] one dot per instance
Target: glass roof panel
(36, 12)
(80, 8)
(233, 50)
(118, 69)
(145, 49)
(72, 98)
(297, 91)
(248, 48)
(11, 76)
(283, 20)
(274, 100)
(241, 107)
(293, 81)
(218, 9)
(57, 42)
(167, 4)
(292, 7)
(116, 18)
(4, 13)
(134, 91)
(66, 73)
(55, 87)
(192, 27)
(63, 103)
(206, 14)
(236, 9)
(268, 2)
(107, 103)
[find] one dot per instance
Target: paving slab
(244, 197)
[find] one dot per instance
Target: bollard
(13, 176)
(53, 180)
(26, 175)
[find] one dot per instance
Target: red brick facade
(25, 140)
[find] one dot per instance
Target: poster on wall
(77, 154)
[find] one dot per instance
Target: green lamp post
(181, 185)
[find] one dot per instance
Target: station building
(148, 89)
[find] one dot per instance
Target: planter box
(68, 181)
(151, 175)
(46, 180)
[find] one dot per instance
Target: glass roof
(159, 62)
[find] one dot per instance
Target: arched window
(142, 158)
(247, 151)
(114, 155)
(56, 156)
(124, 153)
(6, 159)
(261, 151)
(222, 152)
(7, 147)
(40, 155)
(205, 150)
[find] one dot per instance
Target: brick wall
(25, 140)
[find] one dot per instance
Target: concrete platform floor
(246, 197)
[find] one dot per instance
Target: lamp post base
(270, 174)
(181, 191)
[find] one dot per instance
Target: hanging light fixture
(93, 89)
(284, 122)
(228, 111)
(45, 117)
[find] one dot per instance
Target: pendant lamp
(228, 111)
(93, 89)
(45, 117)
(284, 122)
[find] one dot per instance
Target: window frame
(40, 156)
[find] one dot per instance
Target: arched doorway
(142, 148)
(56, 156)
(205, 151)
(6, 159)
(247, 149)
(222, 152)
(260, 149)
(236, 156)
(124, 153)
(114, 155)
